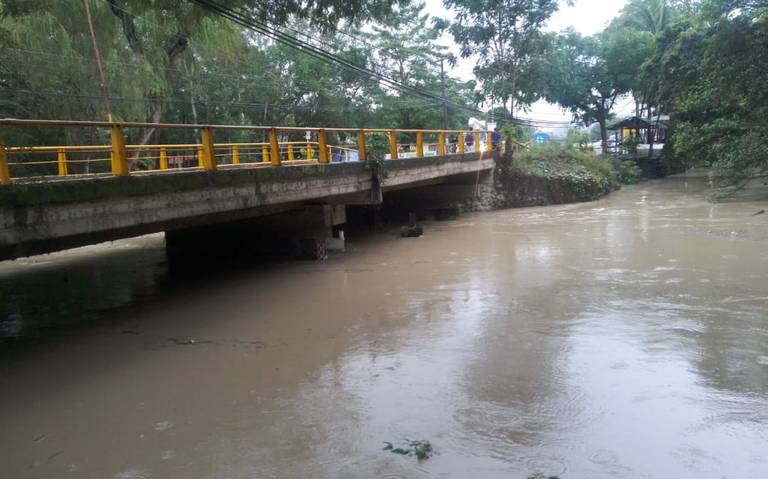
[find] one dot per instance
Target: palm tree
(650, 16)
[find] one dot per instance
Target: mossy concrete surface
(90, 188)
(72, 190)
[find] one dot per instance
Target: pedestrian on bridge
(495, 138)
(470, 140)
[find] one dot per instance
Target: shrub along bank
(554, 174)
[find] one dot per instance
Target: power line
(306, 48)
(426, 99)
(240, 106)
(329, 57)
(276, 34)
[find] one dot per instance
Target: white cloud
(586, 16)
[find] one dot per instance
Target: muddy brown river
(622, 338)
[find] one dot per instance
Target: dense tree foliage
(711, 73)
(704, 63)
(586, 75)
(506, 36)
(173, 61)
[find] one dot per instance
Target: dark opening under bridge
(295, 183)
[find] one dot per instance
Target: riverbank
(550, 181)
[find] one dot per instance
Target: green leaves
(506, 37)
(173, 61)
(711, 71)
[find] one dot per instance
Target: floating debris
(421, 449)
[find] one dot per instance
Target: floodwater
(622, 338)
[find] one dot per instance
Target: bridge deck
(38, 217)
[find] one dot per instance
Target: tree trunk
(652, 136)
(603, 133)
(133, 38)
(155, 115)
(264, 122)
(514, 95)
(194, 110)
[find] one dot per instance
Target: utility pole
(97, 55)
(445, 105)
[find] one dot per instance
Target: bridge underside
(39, 218)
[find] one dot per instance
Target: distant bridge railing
(45, 163)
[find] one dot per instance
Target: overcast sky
(586, 16)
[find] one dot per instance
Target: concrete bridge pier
(307, 232)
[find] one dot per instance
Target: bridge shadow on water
(56, 297)
(52, 298)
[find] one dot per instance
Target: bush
(628, 172)
(554, 160)
(629, 146)
(377, 147)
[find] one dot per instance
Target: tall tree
(711, 71)
(506, 37)
(643, 21)
(404, 47)
(586, 75)
(225, 75)
(650, 16)
(157, 33)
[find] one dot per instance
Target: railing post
(393, 144)
(361, 153)
(290, 152)
(488, 141)
(163, 158)
(419, 144)
(322, 146)
(477, 141)
(460, 142)
(235, 155)
(200, 161)
(309, 151)
(5, 174)
(274, 147)
(264, 154)
(61, 156)
(441, 144)
(209, 153)
(119, 153)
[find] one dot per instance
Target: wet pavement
(622, 338)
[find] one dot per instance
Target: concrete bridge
(223, 195)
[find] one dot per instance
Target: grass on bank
(577, 165)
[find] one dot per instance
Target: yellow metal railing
(119, 159)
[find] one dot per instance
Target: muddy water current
(622, 338)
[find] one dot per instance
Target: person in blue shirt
(495, 138)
